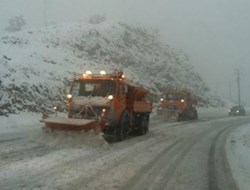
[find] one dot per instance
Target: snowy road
(172, 156)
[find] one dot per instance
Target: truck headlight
(103, 112)
(110, 97)
(88, 72)
(103, 72)
(69, 96)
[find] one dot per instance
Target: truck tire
(143, 127)
(123, 127)
(195, 115)
(178, 117)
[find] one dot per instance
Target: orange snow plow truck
(178, 105)
(107, 102)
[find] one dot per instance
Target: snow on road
(30, 158)
(239, 155)
(19, 122)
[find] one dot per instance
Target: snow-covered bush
(16, 24)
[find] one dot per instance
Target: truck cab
(110, 99)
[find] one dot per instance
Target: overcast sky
(214, 33)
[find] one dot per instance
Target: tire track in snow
(117, 153)
(8, 140)
(219, 172)
(118, 158)
(106, 172)
(157, 174)
(28, 153)
(125, 159)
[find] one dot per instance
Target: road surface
(172, 156)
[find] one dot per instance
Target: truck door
(121, 97)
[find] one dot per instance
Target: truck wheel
(122, 128)
(195, 115)
(179, 118)
(143, 128)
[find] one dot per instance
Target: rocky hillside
(36, 65)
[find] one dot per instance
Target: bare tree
(16, 24)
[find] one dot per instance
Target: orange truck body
(178, 104)
(115, 104)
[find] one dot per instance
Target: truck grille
(172, 107)
(87, 112)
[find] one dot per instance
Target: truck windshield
(92, 88)
(173, 96)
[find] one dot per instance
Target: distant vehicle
(178, 105)
(237, 111)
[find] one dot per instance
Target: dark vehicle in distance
(237, 111)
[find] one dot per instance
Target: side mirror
(68, 90)
(125, 89)
(149, 98)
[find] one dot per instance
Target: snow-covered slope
(36, 65)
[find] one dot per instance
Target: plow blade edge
(58, 123)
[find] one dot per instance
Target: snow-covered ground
(239, 155)
(19, 122)
(56, 160)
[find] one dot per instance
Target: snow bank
(238, 150)
(19, 122)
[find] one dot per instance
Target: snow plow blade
(69, 124)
